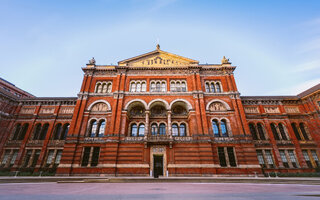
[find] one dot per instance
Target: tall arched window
(65, 131)
(154, 129)
(175, 131)
(182, 130)
(215, 128)
(207, 87)
(261, 131)
(23, 131)
(183, 87)
(163, 87)
(213, 89)
(141, 130)
(133, 87)
(99, 88)
(274, 131)
(153, 87)
(282, 132)
(224, 129)
(303, 131)
(109, 87)
(102, 126)
(253, 131)
(134, 130)
(162, 129)
(104, 88)
(144, 87)
(44, 131)
(295, 130)
(16, 131)
(93, 128)
(158, 86)
(138, 87)
(36, 132)
(57, 131)
(218, 87)
(178, 87)
(173, 87)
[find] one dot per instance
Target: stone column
(146, 131)
(169, 123)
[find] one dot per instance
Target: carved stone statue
(225, 60)
(99, 107)
(217, 106)
(92, 61)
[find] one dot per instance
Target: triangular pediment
(157, 58)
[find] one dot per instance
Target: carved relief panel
(217, 106)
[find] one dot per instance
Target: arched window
(282, 132)
(218, 87)
(141, 130)
(295, 130)
(133, 87)
(23, 131)
(153, 87)
(138, 87)
(154, 129)
(183, 87)
(134, 130)
(57, 131)
(224, 129)
(162, 129)
(175, 131)
(274, 131)
(65, 131)
(261, 131)
(163, 87)
(215, 128)
(144, 87)
(102, 126)
(182, 130)
(44, 131)
(109, 87)
(16, 131)
(172, 87)
(178, 87)
(253, 131)
(158, 87)
(207, 87)
(104, 88)
(93, 128)
(303, 131)
(99, 88)
(36, 132)
(213, 89)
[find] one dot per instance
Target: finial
(225, 60)
(158, 46)
(92, 61)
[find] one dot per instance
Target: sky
(275, 44)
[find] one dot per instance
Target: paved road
(163, 191)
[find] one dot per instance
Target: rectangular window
(95, 156)
(50, 157)
(307, 158)
(58, 157)
(315, 157)
(232, 159)
(293, 158)
(85, 157)
(14, 157)
(222, 157)
(260, 158)
(27, 158)
(35, 158)
(284, 159)
(5, 157)
(269, 158)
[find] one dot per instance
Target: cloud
(296, 89)
(308, 66)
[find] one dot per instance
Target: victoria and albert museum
(159, 114)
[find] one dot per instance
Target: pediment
(157, 58)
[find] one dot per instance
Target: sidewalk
(90, 179)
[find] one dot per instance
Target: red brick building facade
(161, 114)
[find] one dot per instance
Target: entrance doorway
(157, 166)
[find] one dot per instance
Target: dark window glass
(207, 87)
(23, 132)
(44, 131)
(16, 131)
(218, 87)
(215, 128)
(36, 132)
(222, 157)
(141, 130)
(101, 128)
(95, 156)
(295, 130)
(253, 131)
(261, 132)
(65, 131)
(175, 131)
(27, 158)
(162, 129)
(35, 158)
(154, 129)
(282, 132)
(57, 132)
(303, 131)
(231, 156)
(93, 129)
(183, 130)
(86, 155)
(224, 129)
(213, 89)
(274, 132)
(134, 130)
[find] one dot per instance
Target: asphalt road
(163, 191)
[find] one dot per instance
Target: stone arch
(220, 101)
(159, 100)
(99, 101)
(189, 106)
(136, 100)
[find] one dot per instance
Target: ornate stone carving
(27, 110)
(251, 110)
(99, 107)
(92, 61)
(271, 110)
(47, 110)
(217, 106)
(225, 60)
(290, 109)
(66, 110)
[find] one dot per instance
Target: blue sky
(274, 44)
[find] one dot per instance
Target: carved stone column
(169, 123)
(147, 124)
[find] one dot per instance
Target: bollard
(255, 175)
(16, 174)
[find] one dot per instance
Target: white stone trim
(99, 101)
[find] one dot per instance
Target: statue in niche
(179, 110)
(217, 106)
(99, 107)
(137, 111)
